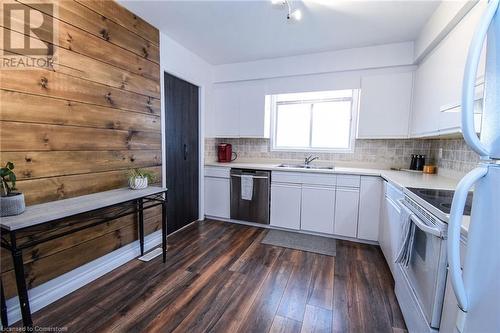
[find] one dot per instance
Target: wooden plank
(55, 188)
(318, 320)
(173, 313)
(285, 325)
(83, 67)
(260, 316)
(45, 269)
(31, 165)
(82, 17)
(293, 303)
(75, 64)
(48, 83)
(40, 137)
(43, 250)
(20, 107)
(322, 282)
(169, 297)
(77, 40)
(124, 17)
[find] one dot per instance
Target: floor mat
(294, 240)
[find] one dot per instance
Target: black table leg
(141, 224)
(164, 229)
(5, 320)
(22, 291)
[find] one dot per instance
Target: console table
(45, 222)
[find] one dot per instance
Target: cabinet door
(370, 198)
(217, 197)
(285, 205)
(318, 209)
(346, 211)
(394, 230)
(385, 106)
(225, 111)
(383, 233)
(439, 77)
(254, 117)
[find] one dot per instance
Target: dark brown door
(182, 160)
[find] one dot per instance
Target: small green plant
(141, 173)
(8, 176)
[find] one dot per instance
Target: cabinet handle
(185, 152)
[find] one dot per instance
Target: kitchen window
(314, 121)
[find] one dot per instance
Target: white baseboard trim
(65, 284)
(268, 226)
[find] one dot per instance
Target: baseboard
(268, 226)
(65, 284)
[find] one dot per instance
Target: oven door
(426, 271)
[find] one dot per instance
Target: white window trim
(352, 132)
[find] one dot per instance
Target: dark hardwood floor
(220, 278)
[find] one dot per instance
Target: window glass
(319, 120)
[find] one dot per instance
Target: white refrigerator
(477, 285)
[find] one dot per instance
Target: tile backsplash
(456, 156)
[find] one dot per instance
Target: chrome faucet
(309, 159)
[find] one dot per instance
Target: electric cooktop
(440, 199)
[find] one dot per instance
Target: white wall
(444, 19)
(182, 63)
(380, 56)
(315, 72)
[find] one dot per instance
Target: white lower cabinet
(318, 209)
(217, 197)
(286, 205)
(370, 198)
(346, 211)
(390, 224)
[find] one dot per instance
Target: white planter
(12, 205)
(138, 183)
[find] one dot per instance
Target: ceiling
(236, 31)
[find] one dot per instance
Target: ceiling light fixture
(292, 14)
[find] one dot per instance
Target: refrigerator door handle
(469, 82)
(454, 227)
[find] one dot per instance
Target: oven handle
(253, 177)
(421, 224)
(454, 227)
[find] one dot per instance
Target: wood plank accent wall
(96, 115)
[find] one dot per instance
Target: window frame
(352, 127)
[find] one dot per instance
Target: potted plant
(11, 201)
(138, 179)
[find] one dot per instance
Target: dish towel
(404, 254)
(246, 187)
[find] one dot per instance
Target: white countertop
(401, 179)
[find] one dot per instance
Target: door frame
(201, 135)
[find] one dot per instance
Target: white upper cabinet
(254, 112)
(385, 106)
(239, 110)
(225, 111)
(438, 80)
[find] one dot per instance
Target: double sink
(305, 166)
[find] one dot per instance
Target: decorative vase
(12, 205)
(138, 183)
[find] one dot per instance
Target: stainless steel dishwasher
(252, 205)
